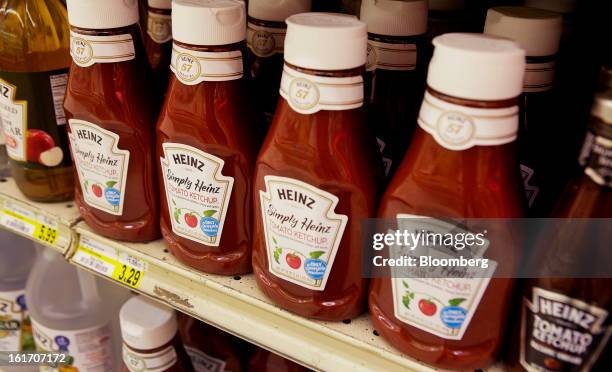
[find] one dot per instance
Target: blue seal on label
(453, 316)
(209, 226)
(315, 268)
(22, 302)
(112, 196)
(62, 342)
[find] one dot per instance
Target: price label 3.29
(110, 262)
(29, 223)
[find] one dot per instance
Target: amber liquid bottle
(266, 31)
(111, 112)
(206, 149)
(317, 174)
(395, 73)
(34, 39)
(565, 322)
(461, 163)
(539, 33)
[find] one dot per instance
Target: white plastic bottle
(68, 314)
(17, 256)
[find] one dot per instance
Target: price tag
(27, 222)
(109, 262)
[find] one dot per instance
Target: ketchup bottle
(538, 32)
(395, 74)
(205, 147)
(151, 340)
(209, 348)
(565, 323)
(266, 40)
(111, 114)
(461, 163)
(317, 173)
(158, 40)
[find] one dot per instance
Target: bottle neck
(159, 25)
(539, 74)
(89, 47)
(266, 38)
(459, 124)
(308, 91)
(195, 64)
(393, 53)
(160, 358)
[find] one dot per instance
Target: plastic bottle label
(388, 56)
(197, 192)
(88, 349)
(307, 94)
(101, 166)
(302, 231)
(265, 41)
(151, 362)
(192, 67)
(428, 299)
(539, 74)
(32, 116)
(15, 326)
(596, 158)
(457, 127)
(87, 50)
(159, 27)
(203, 362)
(561, 333)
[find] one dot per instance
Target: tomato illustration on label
(294, 261)
(451, 314)
(208, 224)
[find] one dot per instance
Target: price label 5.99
(27, 222)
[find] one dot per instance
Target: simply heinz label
(302, 231)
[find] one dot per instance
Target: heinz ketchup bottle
(539, 32)
(395, 77)
(266, 39)
(565, 323)
(461, 163)
(206, 148)
(158, 40)
(111, 115)
(316, 174)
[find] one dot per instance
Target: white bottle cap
(477, 67)
(100, 15)
(602, 107)
(446, 4)
(160, 4)
(208, 22)
(559, 6)
(277, 10)
(537, 31)
(326, 41)
(395, 18)
(145, 324)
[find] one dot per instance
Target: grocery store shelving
(49, 224)
(233, 304)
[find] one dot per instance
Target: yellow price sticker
(109, 262)
(26, 222)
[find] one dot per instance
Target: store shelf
(235, 305)
(46, 223)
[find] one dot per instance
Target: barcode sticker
(109, 262)
(27, 222)
(58, 90)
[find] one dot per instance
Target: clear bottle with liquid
(69, 316)
(17, 256)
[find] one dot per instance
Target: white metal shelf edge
(239, 308)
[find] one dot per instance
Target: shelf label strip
(30, 223)
(110, 262)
